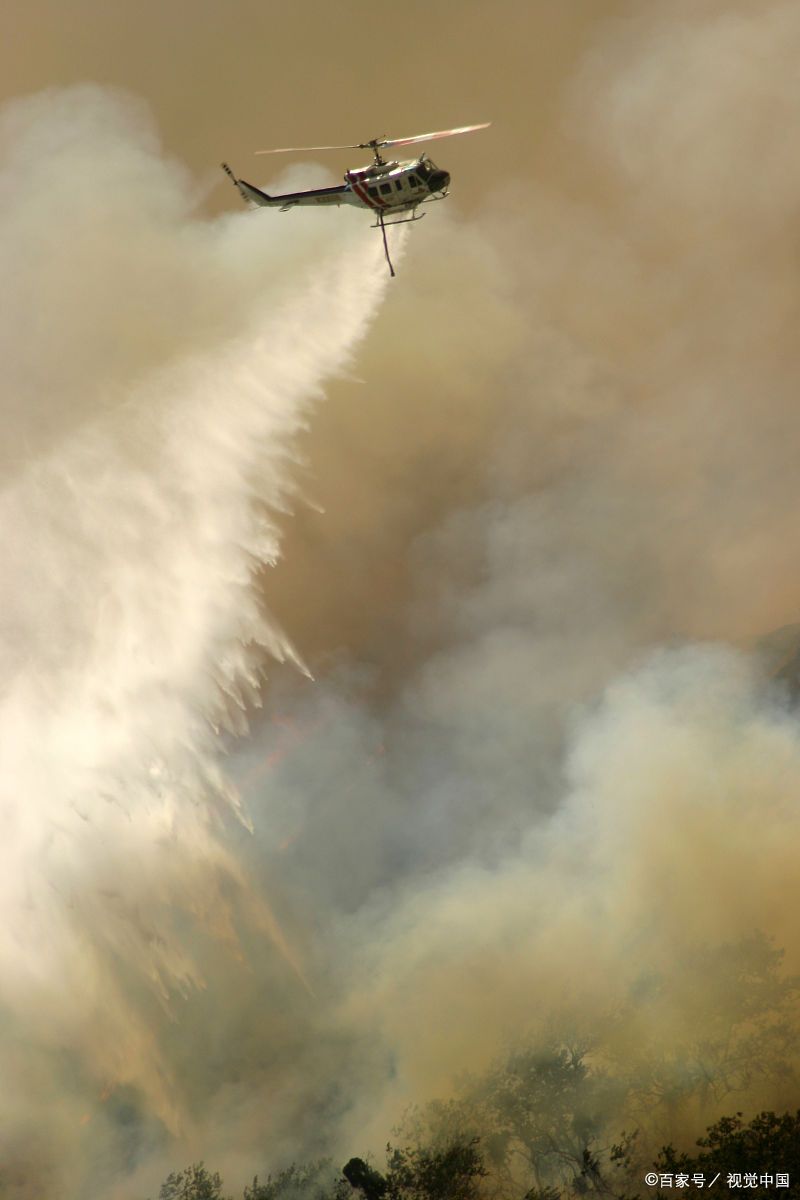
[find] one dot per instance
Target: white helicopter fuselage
(397, 187)
(389, 190)
(385, 188)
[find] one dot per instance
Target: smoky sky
(380, 657)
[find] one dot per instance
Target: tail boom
(254, 195)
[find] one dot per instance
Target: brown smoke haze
(543, 787)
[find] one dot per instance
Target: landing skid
(380, 223)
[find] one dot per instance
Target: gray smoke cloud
(535, 807)
(551, 512)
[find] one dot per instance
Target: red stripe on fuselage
(363, 195)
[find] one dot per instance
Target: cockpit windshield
(423, 169)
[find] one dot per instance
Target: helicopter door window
(386, 188)
(373, 191)
(414, 182)
(398, 183)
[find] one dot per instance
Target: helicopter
(387, 189)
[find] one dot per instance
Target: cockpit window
(413, 181)
(423, 170)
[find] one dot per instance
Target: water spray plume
(157, 368)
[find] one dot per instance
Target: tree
(364, 1178)
(312, 1181)
(450, 1172)
(541, 1114)
(723, 1023)
(769, 1144)
(195, 1183)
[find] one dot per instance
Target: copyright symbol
(651, 1179)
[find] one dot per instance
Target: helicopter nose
(439, 181)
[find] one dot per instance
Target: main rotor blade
(377, 143)
(431, 137)
(296, 149)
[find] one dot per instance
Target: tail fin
(246, 190)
